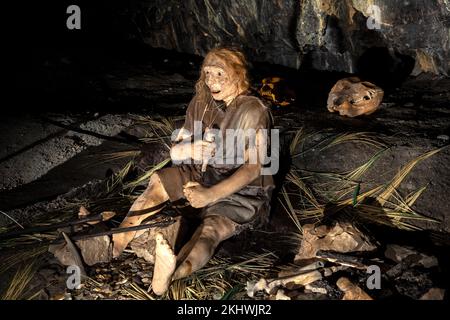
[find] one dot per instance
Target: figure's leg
(199, 250)
(193, 256)
(154, 195)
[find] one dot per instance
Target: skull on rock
(352, 97)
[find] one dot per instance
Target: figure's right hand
(202, 150)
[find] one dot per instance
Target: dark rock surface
(326, 35)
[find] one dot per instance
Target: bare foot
(165, 263)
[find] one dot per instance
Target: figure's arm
(247, 173)
(200, 196)
(241, 178)
(184, 149)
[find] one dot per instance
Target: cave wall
(322, 34)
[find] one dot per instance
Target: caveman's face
(220, 83)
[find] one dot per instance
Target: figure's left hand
(197, 195)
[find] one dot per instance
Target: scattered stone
(409, 256)
(395, 271)
(342, 237)
(413, 283)
(67, 254)
(83, 212)
(434, 294)
(254, 287)
(351, 290)
(59, 296)
(146, 280)
(281, 295)
(398, 253)
(95, 250)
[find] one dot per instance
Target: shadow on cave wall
(384, 67)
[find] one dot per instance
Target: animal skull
(352, 97)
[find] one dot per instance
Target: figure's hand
(202, 150)
(197, 195)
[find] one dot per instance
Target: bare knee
(218, 228)
(154, 195)
(155, 190)
(213, 231)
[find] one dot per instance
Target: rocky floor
(54, 160)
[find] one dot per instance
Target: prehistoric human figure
(233, 196)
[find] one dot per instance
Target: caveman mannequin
(232, 197)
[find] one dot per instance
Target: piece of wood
(75, 254)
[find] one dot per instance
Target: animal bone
(309, 267)
(268, 286)
(352, 97)
(329, 271)
(342, 259)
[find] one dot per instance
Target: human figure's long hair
(233, 62)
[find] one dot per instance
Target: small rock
(409, 256)
(68, 296)
(59, 296)
(428, 261)
(434, 294)
(137, 280)
(395, 271)
(146, 280)
(121, 282)
(281, 295)
(95, 250)
(398, 253)
(254, 287)
(63, 254)
(414, 283)
(443, 137)
(351, 290)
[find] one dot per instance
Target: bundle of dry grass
(308, 194)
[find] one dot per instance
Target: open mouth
(215, 92)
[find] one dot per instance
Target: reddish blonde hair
(233, 62)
